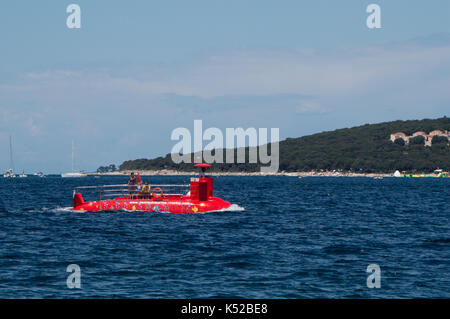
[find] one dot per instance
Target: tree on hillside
(439, 140)
(106, 169)
(364, 148)
(417, 140)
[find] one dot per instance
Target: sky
(136, 70)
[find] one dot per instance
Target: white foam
(58, 209)
(45, 210)
(232, 208)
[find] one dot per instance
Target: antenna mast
(72, 154)
(11, 162)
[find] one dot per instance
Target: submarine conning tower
(201, 188)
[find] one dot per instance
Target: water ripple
(296, 238)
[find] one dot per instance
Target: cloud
(310, 107)
(31, 126)
(304, 71)
(406, 74)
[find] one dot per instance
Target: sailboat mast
(72, 155)
(11, 162)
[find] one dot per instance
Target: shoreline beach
(294, 174)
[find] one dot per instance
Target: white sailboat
(39, 174)
(10, 172)
(73, 173)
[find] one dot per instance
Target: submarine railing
(102, 192)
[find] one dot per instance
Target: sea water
(284, 238)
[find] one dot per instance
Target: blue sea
(287, 238)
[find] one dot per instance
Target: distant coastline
(165, 172)
(367, 150)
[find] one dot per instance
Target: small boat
(9, 174)
(196, 197)
(39, 174)
(23, 175)
(73, 174)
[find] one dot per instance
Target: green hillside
(365, 148)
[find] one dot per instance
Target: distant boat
(73, 173)
(10, 172)
(439, 173)
(39, 174)
(23, 175)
